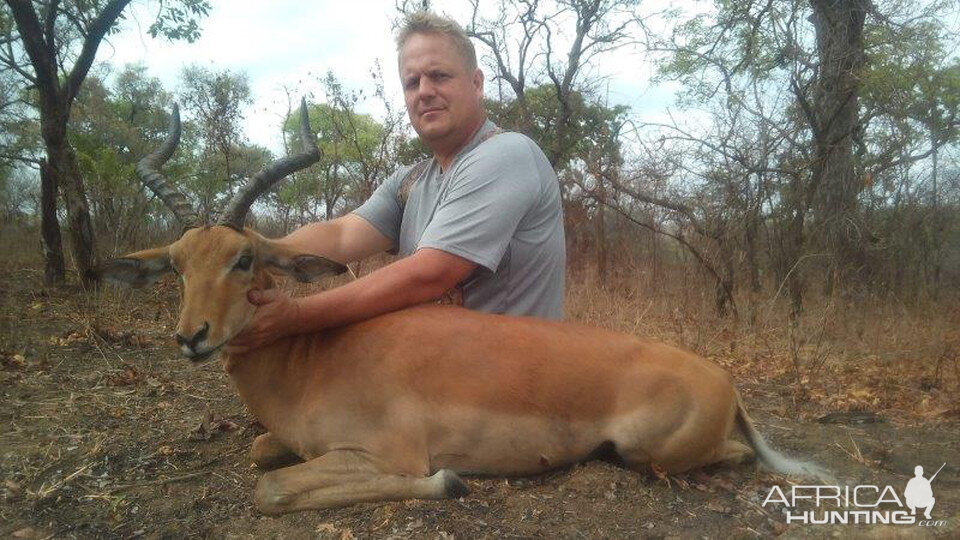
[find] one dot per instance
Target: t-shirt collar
(478, 137)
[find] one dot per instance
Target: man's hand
(272, 320)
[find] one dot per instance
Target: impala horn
(236, 212)
(148, 169)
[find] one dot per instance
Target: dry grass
(871, 354)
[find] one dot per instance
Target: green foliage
(110, 130)
(217, 101)
(912, 86)
(587, 132)
(345, 139)
(180, 20)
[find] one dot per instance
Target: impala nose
(192, 342)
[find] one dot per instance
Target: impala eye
(244, 263)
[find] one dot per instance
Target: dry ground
(107, 433)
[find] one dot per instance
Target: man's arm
(419, 278)
(344, 239)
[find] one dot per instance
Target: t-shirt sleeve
(489, 194)
(383, 210)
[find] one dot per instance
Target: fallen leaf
(128, 376)
(716, 507)
(327, 528)
(13, 487)
(204, 431)
(16, 361)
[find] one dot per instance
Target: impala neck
(262, 280)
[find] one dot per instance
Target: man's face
(444, 100)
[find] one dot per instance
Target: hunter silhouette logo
(918, 492)
(862, 504)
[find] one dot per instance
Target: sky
(294, 43)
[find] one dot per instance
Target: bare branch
(41, 54)
(95, 33)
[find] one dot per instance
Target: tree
(358, 152)
(112, 128)
(51, 45)
(582, 28)
(793, 76)
(910, 103)
(217, 100)
(833, 115)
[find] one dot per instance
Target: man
(918, 492)
(483, 216)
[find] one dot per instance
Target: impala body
(396, 406)
(440, 387)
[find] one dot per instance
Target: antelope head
(218, 264)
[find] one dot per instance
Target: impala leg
(342, 478)
(733, 452)
(269, 453)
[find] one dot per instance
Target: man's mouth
(428, 111)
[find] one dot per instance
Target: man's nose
(195, 339)
(426, 88)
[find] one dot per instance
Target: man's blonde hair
(426, 22)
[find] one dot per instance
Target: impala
(398, 406)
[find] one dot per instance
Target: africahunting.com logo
(863, 504)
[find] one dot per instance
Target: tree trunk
(601, 237)
(63, 167)
(726, 282)
(794, 274)
(839, 30)
(64, 173)
(50, 241)
(938, 223)
(753, 267)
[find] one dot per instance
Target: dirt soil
(108, 433)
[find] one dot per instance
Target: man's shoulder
(508, 139)
(507, 149)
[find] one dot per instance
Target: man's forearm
(396, 286)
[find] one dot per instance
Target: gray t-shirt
(498, 205)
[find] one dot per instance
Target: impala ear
(307, 268)
(304, 267)
(137, 269)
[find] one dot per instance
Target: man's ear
(137, 269)
(303, 267)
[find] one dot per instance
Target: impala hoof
(453, 486)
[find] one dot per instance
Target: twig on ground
(43, 493)
(159, 481)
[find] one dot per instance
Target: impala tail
(773, 460)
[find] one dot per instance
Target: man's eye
(243, 263)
